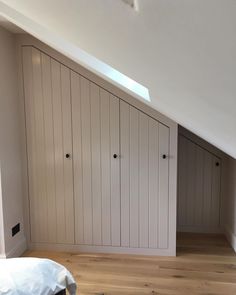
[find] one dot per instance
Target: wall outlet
(15, 229)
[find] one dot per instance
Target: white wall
(2, 236)
(184, 51)
(10, 148)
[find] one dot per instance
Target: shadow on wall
(230, 201)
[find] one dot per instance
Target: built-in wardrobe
(199, 185)
(101, 168)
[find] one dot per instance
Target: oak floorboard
(205, 264)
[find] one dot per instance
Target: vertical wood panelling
(62, 139)
(182, 175)
(125, 172)
(199, 188)
(86, 157)
(115, 170)
(143, 181)
(153, 183)
(58, 149)
(96, 164)
(105, 167)
(207, 188)
(31, 144)
(40, 144)
(191, 177)
(92, 197)
(49, 146)
(134, 177)
(77, 157)
(163, 226)
(68, 197)
(95, 116)
(48, 124)
(215, 193)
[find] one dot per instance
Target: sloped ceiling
(183, 51)
(10, 26)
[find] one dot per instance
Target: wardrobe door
(49, 140)
(95, 117)
(198, 188)
(144, 180)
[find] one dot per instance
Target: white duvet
(28, 276)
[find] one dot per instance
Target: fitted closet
(199, 185)
(99, 167)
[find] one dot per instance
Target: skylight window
(104, 70)
(128, 83)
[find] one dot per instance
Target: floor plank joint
(205, 264)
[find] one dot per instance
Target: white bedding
(28, 276)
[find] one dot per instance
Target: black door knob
(67, 156)
(164, 156)
(217, 164)
(115, 156)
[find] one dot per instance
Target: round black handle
(217, 164)
(115, 156)
(164, 156)
(67, 156)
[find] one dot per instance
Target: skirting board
(189, 229)
(18, 250)
(101, 249)
(231, 237)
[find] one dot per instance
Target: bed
(37, 276)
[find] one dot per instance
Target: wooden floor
(205, 264)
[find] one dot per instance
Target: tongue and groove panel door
(199, 188)
(49, 147)
(95, 117)
(144, 180)
(98, 167)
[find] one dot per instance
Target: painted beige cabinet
(98, 167)
(144, 180)
(199, 187)
(49, 139)
(96, 150)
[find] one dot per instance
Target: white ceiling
(183, 51)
